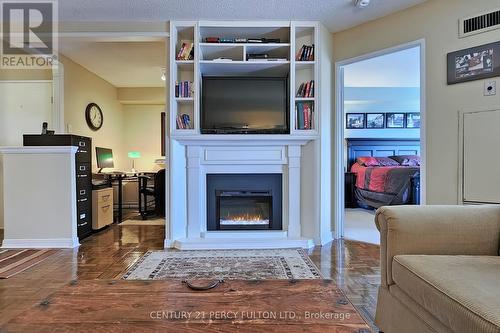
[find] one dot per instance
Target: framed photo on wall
(375, 120)
(474, 63)
(413, 120)
(395, 120)
(355, 120)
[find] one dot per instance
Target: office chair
(157, 191)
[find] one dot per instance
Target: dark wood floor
(353, 266)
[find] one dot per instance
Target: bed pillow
(368, 161)
(386, 161)
(407, 160)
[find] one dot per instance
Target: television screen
(245, 105)
(104, 157)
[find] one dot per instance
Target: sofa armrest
(444, 230)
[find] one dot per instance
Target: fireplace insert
(244, 202)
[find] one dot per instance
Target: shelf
(185, 64)
(304, 99)
(185, 99)
(304, 64)
(209, 67)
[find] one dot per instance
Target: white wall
(20, 115)
(142, 125)
(437, 22)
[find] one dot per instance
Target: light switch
(490, 88)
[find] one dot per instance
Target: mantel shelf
(243, 139)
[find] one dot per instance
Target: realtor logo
(28, 34)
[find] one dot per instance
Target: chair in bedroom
(152, 186)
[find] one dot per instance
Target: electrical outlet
(490, 88)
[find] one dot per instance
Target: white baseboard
(168, 244)
(54, 243)
(232, 244)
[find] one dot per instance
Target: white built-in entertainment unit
(302, 157)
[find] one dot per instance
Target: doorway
(380, 117)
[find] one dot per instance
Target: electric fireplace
(244, 202)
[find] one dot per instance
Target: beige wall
(82, 87)
(142, 126)
(437, 22)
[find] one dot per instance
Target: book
(306, 53)
(306, 89)
(304, 115)
(186, 51)
(183, 89)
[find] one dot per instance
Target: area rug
(224, 264)
(13, 262)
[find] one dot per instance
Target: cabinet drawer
(105, 197)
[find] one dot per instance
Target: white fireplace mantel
(240, 154)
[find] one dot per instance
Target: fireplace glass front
(244, 209)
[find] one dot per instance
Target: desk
(118, 178)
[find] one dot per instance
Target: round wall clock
(94, 117)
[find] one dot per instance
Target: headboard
(380, 148)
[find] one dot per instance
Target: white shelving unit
(207, 61)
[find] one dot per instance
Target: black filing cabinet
(83, 173)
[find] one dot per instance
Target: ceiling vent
(472, 25)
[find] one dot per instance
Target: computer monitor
(104, 158)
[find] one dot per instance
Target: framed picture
(395, 120)
(474, 63)
(413, 120)
(355, 120)
(375, 120)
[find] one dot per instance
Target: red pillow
(368, 161)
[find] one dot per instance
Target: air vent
(477, 24)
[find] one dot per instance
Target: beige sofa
(440, 268)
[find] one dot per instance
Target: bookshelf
(231, 58)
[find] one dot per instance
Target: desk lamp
(134, 155)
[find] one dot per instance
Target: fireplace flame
(246, 218)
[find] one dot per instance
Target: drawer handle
(105, 207)
(82, 200)
(83, 192)
(82, 224)
(82, 176)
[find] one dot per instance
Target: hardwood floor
(353, 266)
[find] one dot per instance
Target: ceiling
(132, 63)
(336, 15)
(123, 64)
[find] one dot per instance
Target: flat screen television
(244, 105)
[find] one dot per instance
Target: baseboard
(168, 244)
(49, 243)
(230, 244)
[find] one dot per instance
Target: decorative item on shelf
(257, 56)
(474, 63)
(45, 129)
(240, 40)
(183, 89)
(211, 39)
(183, 121)
(306, 53)
(306, 89)
(133, 155)
(413, 120)
(375, 120)
(255, 40)
(186, 52)
(304, 115)
(226, 40)
(395, 120)
(355, 120)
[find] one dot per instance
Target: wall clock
(94, 117)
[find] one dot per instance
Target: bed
(374, 180)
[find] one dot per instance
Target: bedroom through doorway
(381, 110)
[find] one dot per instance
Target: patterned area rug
(224, 264)
(13, 262)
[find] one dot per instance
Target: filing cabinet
(83, 173)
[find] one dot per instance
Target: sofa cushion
(463, 292)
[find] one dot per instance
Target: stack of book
(183, 121)
(306, 53)
(306, 89)
(186, 52)
(304, 115)
(183, 89)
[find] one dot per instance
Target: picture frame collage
(390, 120)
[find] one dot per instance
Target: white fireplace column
(194, 188)
(294, 155)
